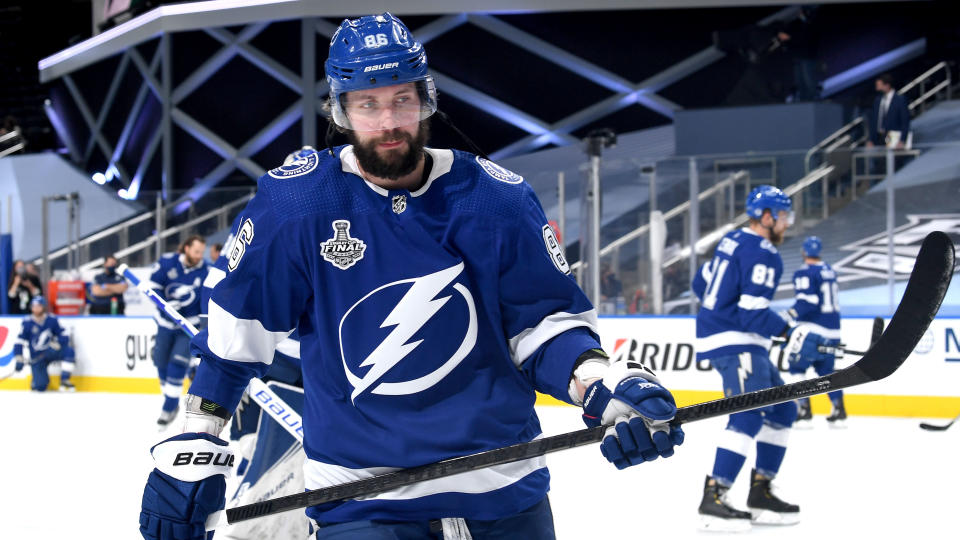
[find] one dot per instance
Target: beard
(776, 238)
(394, 163)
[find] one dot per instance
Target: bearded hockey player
(177, 278)
(432, 303)
(734, 327)
(817, 308)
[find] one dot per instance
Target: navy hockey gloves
(803, 349)
(187, 485)
(639, 409)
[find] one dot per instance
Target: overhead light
(99, 178)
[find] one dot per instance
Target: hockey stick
(270, 402)
(921, 301)
(931, 427)
(876, 332)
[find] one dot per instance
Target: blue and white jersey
(180, 286)
(37, 335)
(735, 289)
(286, 362)
(818, 299)
(427, 321)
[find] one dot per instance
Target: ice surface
(73, 466)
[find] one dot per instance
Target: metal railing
(152, 241)
(821, 174)
(728, 183)
(840, 137)
(14, 148)
(122, 232)
(926, 94)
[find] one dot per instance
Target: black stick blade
(931, 427)
(921, 301)
(877, 330)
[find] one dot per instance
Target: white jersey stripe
(320, 475)
(240, 340)
(289, 347)
(811, 298)
(750, 302)
(731, 337)
(821, 330)
(214, 276)
(526, 342)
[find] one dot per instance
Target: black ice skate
(67, 386)
(765, 507)
(838, 418)
(716, 514)
(166, 417)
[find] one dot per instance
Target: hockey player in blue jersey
(734, 327)
(177, 278)
(817, 308)
(47, 342)
(432, 300)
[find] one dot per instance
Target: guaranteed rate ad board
(114, 355)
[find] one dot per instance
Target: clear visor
(384, 108)
(787, 215)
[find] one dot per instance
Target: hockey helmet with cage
(769, 198)
(812, 246)
(375, 51)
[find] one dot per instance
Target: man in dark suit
(890, 113)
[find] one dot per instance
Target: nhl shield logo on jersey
(498, 172)
(300, 167)
(342, 251)
(399, 204)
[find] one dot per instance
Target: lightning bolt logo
(745, 369)
(412, 312)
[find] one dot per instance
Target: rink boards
(114, 355)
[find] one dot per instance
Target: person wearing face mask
(22, 287)
(106, 293)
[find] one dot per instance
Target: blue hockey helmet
(812, 246)
(38, 300)
(769, 198)
(375, 51)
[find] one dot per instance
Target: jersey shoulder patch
(302, 166)
(497, 172)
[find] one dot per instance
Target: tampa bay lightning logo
(498, 172)
(406, 336)
(183, 293)
(303, 165)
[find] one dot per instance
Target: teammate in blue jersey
(432, 299)
(818, 309)
(47, 342)
(177, 278)
(734, 327)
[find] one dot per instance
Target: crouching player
(734, 327)
(47, 343)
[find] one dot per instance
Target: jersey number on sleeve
(802, 283)
(713, 274)
(244, 237)
(831, 297)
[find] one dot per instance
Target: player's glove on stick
(803, 348)
(187, 485)
(632, 400)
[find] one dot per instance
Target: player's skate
(838, 418)
(716, 514)
(804, 415)
(765, 507)
(67, 386)
(166, 417)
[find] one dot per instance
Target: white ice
(73, 466)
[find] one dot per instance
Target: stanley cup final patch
(342, 251)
